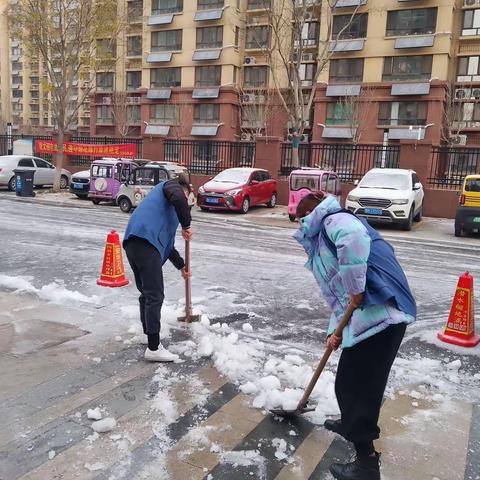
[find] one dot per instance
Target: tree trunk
(59, 160)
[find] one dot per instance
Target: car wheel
(245, 205)
(458, 232)
(63, 182)
(273, 201)
(292, 218)
(12, 184)
(125, 204)
(95, 201)
(407, 226)
(418, 216)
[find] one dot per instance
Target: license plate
(212, 200)
(476, 219)
(77, 185)
(373, 211)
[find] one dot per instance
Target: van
(467, 219)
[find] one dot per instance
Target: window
(237, 36)
(17, 94)
(17, 66)
(209, 37)
(411, 22)
(104, 115)
(415, 67)
(134, 46)
(332, 185)
(310, 33)
(470, 114)
(298, 182)
(134, 11)
(34, 80)
(164, 114)
(16, 80)
(471, 22)
(133, 114)
(105, 81)
(338, 113)
(468, 69)
(345, 27)
(165, 77)
(103, 171)
(34, 108)
(402, 113)
(258, 37)
(42, 163)
(307, 72)
(348, 70)
(26, 162)
(209, 4)
(134, 80)
(209, 76)
(166, 6)
(167, 41)
(259, 4)
(206, 113)
(106, 48)
(255, 77)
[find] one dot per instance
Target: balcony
(208, 15)
(415, 41)
(201, 55)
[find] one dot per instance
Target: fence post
(418, 157)
(268, 154)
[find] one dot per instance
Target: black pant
(146, 263)
(362, 376)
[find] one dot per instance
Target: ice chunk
(281, 445)
(248, 388)
(270, 382)
(51, 454)
(105, 425)
(94, 414)
(94, 467)
(246, 327)
(205, 347)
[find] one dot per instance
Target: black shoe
(362, 468)
(334, 426)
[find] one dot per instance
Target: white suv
(388, 195)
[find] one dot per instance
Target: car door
(256, 187)
(418, 194)
(45, 172)
(27, 164)
(268, 187)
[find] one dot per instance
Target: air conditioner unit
(308, 57)
(476, 93)
(304, 138)
(246, 137)
(133, 100)
(462, 93)
(459, 140)
(106, 100)
(471, 2)
(308, 16)
(246, 98)
(249, 60)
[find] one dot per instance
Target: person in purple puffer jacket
(352, 263)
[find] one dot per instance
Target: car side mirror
(417, 186)
(356, 182)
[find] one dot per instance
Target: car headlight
(402, 201)
(201, 190)
(235, 192)
(353, 198)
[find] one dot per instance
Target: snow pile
(105, 425)
(246, 458)
(281, 448)
(94, 414)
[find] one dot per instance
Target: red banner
(128, 150)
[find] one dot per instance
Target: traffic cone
(113, 272)
(460, 328)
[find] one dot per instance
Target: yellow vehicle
(468, 211)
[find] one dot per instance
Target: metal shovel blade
(189, 318)
(291, 413)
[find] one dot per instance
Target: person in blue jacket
(352, 263)
(149, 242)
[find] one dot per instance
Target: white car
(44, 171)
(388, 195)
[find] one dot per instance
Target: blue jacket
(346, 256)
(155, 220)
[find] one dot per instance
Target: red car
(238, 189)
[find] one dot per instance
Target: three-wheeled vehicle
(467, 219)
(307, 180)
(142, 179)
(106, 177)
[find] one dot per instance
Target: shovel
(188, 318)
(302, 404)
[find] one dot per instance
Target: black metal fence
(351, 162)
(450, 165)
(209, 157)
(75, 160)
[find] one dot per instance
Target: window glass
(166, 41)
(344, 27)
(144, 176)
(165, 77)
(411, 22)
(26, 162)
(208, 76)
(166, 6)
(304, 181)
(346, 70)
(472, 185)
(102, 171)
(209, 37)
(134, 46)
(206, 113)
(41, 163)
(332, 184)
(413, 67)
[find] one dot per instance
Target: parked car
(388, 195)
(80, 184)
(238, 189)
(306, 180)
(44, 171)
(467, 218)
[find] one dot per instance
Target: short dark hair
(308, 203)
(184, 181)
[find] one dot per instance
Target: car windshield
(388, 181)
(304, 181)
(233, 176)
(103, 171)
(472, 185)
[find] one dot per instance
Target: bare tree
(257, 108)
(453, 111)
(121, 109)
(65, 35)
(299, 29)
(182, 115)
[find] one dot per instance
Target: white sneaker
(160, 355)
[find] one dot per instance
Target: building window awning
(205, 15)
(347, 45)
(158, 57)
(350, 3)
(204, 130)
(206, 92)
(160, 19)
(157, 130)
(343, 90)
(207, 54)
(337, 132)
(416, 133)
(415, 41)
(422, 88)
(159, 93)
